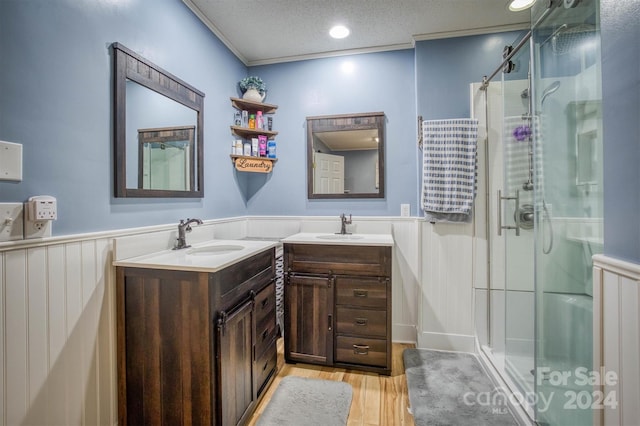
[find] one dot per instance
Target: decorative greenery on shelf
(252, 82)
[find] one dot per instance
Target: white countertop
(190, 259)
(338, 239)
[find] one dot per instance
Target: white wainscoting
(57, 313)
(616, 340)
(57, 346)
(447, 307)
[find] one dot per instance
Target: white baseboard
(403, 333)
(446, 342)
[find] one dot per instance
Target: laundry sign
(256, 165)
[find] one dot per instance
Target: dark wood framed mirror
(345, 156)
(153, 106)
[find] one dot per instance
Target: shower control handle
(517, 216)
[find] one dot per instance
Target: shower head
(568, 38)
(549, 90)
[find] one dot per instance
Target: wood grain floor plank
(356, 414)
(374, 400)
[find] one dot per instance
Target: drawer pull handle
(361, 322)
(264, 303)
(265, 365)
(265, 334)
(360, 293)
(361, 349)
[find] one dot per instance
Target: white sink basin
(341, 237)
(209, 256)
(213, 250)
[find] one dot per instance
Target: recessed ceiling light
(518, 5)
(339, 31)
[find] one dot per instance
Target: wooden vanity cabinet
(338, 306)
(195, 348)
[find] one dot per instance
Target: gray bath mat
(451, 388)
(303, 401)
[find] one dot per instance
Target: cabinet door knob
(265, 334)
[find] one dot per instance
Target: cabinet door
(309, 319)
(235, 365)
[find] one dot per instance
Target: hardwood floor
(377, 400)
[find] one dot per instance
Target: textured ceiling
(270, 31)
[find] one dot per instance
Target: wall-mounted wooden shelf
(252, 164)
(247, 133)
(253, 106)
(244, 163)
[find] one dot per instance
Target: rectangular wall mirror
(158, 130)
(345, 156)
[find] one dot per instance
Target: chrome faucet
(183, 227)
(345, 222)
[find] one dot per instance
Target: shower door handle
(517, 216)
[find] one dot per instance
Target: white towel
(449, 169)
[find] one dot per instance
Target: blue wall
(620, 32)
(56, 100)
(340, 85)
(445, 68)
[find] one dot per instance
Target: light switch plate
(11, 221)
(10, 161)
(405, 210)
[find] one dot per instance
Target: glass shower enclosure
(567, 101)
(548, 212)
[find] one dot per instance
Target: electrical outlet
(37, 228)
(405, 210)
(42, 207)
(11, 216)
(41, 211)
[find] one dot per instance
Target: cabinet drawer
(265, 333)
(365, 292)
(365, 322)
(265, 365)
(339, 259)
(236, 282)
(265, 303)
(356, 350)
